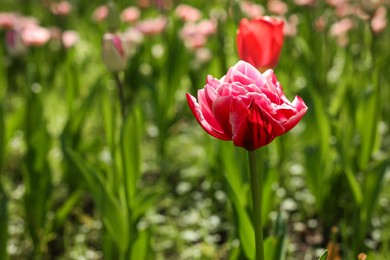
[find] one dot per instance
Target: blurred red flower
(246, 106)
(260, 41)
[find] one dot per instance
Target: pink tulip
(35, 35)
(341, 27)
(130, 14)
(246, 106)
(290, 26)
(195, 34)
(152, 26)
(25, 22)
(188, 13)
(251, 10)
(7, 20)
(62, 8)
(379, 20)
(69, 38)
(305, 2)
(100, 13)
(277, 7)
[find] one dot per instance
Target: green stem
(121, 95)
(256, 184)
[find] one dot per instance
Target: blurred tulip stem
(121, 94)
(256, 184)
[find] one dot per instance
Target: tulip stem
(121, 95)
(256, 184)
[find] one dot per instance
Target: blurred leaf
(131, 135)
(114, 218)
(270, 247)
(3, 225)
(63, 212)
(268, 201)
(140, 248)
(372, 187)
(145, 200)
(275, 245)
(367, 119)
(245, 229)
(37, 177)
(233, 173)
(355, 187)
(324, 256)
(2, 137)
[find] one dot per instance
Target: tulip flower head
(246, 106)
(14, 43)
(114, 56)
(260, 40)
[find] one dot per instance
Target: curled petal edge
(196, 111)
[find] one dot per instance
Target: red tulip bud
(260, 41)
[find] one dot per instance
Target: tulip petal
(293, 121)
(221, 111)
(256, 129)
(201, 115)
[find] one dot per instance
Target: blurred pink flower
(203, 55)
(344, 10)
(130, 14)
(305, 2)
(100, 13)
(207, 27)
(336, 3)
(143, 3)
(188, 13)
(14, 43)
(132, 38)
(320, 23)
(62, 8)
(277, 7)
(251, 10)
(25, 22)
(341, 27)
(339, 31)
(70, 38)
(35, 35)
(379, 20)
(7, 20)
(152, 26)
(290, 26)
(195, 35)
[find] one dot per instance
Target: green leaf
(130, 145)
(63, 212)
(233, 173)
(368, 119)
(245, 229)
(268, 202)
(114, 218)
(140, 248)
(324, 255)
(270, 247)
(145, 200)
(355, 187)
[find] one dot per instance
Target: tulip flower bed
(179, 130)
